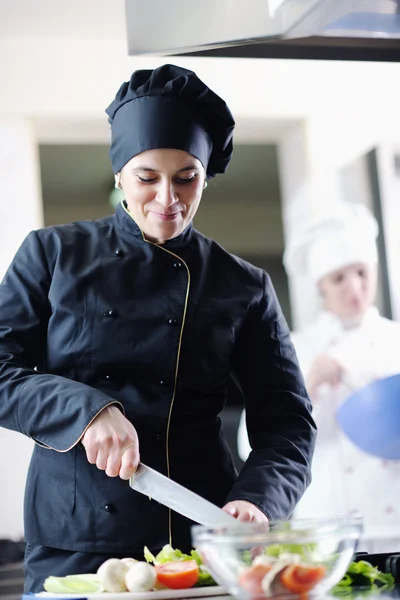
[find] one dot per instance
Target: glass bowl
(281, 559)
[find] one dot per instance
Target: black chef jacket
(92, 314)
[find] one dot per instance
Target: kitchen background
(308, 133)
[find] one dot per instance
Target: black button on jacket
(84, 300)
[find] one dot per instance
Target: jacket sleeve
(54, 411)
(278, 412)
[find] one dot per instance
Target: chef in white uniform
(347, 346)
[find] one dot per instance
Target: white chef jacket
(346, 479)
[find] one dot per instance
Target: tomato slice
(301, 578)
(251, 579)
(178, 575)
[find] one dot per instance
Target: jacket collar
(126, 222)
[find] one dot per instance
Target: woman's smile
(166, 216)
(163, 189)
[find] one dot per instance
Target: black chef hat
(170, 107)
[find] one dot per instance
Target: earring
(205, 185)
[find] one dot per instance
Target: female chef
(346, 347)
(117, 339)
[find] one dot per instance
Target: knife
(156, 486)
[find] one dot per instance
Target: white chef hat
(344, 236)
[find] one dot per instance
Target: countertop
(357, 594)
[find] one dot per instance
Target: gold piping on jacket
(159, 245)
(84, 431)
(178, 354)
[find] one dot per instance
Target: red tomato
(250, 579)
(178, 575)
(301, 578)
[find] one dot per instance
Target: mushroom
(112, 575)
(129, 561)
(141, 577)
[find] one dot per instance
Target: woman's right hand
(325, 369)
(112, 444)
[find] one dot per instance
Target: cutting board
(200, 592)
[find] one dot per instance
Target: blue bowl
(371, 418)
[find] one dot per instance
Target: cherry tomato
(178, 575)
(301, 578)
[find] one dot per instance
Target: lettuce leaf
(148, 556)
(205, 578)
(170, 554)
(195, 555)
(306, 552)
(362, 574)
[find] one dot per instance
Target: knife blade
(157, 487)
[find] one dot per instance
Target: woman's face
(350, 291)
(163, 189)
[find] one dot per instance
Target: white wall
(56, 81)
(20, 211)
(20, 192)
(390, 197)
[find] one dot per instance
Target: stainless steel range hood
(306, 29)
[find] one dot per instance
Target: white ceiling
(72, 19)
(80, 21)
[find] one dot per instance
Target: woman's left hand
(245, 512)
